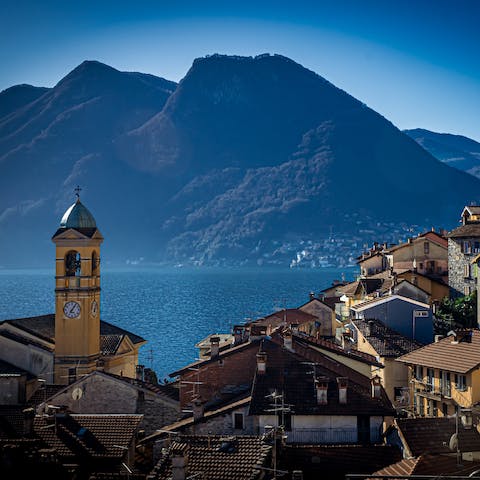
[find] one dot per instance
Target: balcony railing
(330, 435)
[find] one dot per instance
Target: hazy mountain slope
(457, 151)
(244, 156)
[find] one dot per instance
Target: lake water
(174, 308)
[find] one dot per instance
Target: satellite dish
(453, 443)
(77, 393)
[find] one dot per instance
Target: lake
(173, 308)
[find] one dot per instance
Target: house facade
(463, 247)
(445, 375)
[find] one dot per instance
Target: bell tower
(77, 294)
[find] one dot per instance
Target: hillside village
(367, 379)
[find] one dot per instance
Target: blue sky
(416, 62)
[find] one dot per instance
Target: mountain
(14, 98)
(457, 151)
(247, 159)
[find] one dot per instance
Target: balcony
(330, 435)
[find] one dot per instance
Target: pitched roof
(286, 316)
(366, 285)
(430, 235)
(179, 425)
(432, 435)
(385, 341)
(87, 435)
(468, 230)
(217, 457)
(333, 347)
(222, 354)
(448, 354)
(429, 465)
(387, 298)
(334, 462)
(288, 373)
(43, 326)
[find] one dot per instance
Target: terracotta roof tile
(43, 326)
(216, 457)
(333, 347)
(447, 354)
(468, 230)
(288, 372)
(87, 435)
(333, 462)
(430, 465)
(432, 435)
(385, 341)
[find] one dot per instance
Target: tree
(456, 313)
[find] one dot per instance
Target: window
(418, 372)
(398, 393)
(460, 382)
(430, 379)
(421, 407)
(426, 247)
(476, 247)
(444, 409)
(445, 384)
(466, 247)
(467, 290)
(238, 421)
(466, 271)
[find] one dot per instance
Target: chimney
(140, 372)
(28, 418)
(438, 338)
(321, 387)
(294, 327)
(238, 331)
(214, 346)
(198, 407)
(261, 363)
(257, 331)
(288, 339)
(311, 295)
(376, 386)
(179, 464)
(370, 327)
(342, 389)
(409, 240)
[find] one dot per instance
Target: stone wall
(458, 261)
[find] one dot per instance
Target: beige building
(445, 375)
(386, 345)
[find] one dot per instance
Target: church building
(72, 342)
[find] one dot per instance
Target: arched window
(72, 264)
(95, 262)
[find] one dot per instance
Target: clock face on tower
(71, 309)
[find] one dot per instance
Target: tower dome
(78, 216)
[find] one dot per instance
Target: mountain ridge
(245, 160)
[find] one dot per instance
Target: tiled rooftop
(440, 465)
(385, 341)
(289, 373)
(87, 435)
(333, 347)
(468, 230)
(333, 462)
(217, 458)
(43, 326)
(447, 354)
(432, 435)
